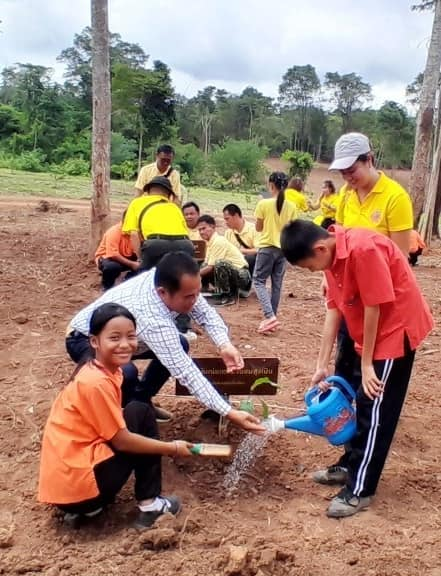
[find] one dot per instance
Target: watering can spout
(304, 424)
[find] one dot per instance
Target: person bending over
(372, 287)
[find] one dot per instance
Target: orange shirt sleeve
(113, 239)
(372, 274)
(101, 411)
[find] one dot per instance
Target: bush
(301, 163)
(191, 163)
(124, 171)
(30, 161)
(240, 160)
(122, 148)
(72, 167)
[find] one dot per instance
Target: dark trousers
(413, 257)
(251, 260)
(133, 387)
(112, 474)
(377, 419)
(111, 269)
(153, 249)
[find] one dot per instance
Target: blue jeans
(133, 387)
(270, 262)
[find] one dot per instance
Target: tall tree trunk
(101, 114)
(423, 137)
(140, 143)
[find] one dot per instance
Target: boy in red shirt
(115, 255)
(370, 285)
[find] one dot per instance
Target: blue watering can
(328, 413)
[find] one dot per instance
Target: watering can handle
(341, 382)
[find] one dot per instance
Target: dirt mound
(275, 523)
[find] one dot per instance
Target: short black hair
(191, 205)
(298, 238)
(172, 267)
(166, 148)
(207, 219)
(233, 209)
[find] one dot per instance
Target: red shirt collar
(341, 247)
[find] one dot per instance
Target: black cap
(161, 181)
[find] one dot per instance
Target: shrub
(125, 171)
(30, 161)
(72, 167)
(301, 163)
(190, 161)
(122, 148)
(240, 160)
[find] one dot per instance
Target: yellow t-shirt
(165, 218)
(328, 207)
(134, 210)
(248, 234)
(272, 221)
(297, 198)
(193, 234)
(387, 208)
(150, 171)
(218, 248)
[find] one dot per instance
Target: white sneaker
(190, 336)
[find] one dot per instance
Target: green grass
(40, 184)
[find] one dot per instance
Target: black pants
(112, 474)
(153, 249)
(133, 387)
(413, 257)
(111, 269)
(251, 260)
(377, 419)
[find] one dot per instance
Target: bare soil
(276, 524)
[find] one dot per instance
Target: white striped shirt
(155, 327)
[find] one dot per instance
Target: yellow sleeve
(175, 179)
(303, 204)
(340, 212)
(130, 223)
(144, 176)
(400, 213)
(259, 211)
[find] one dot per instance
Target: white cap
(348, 148)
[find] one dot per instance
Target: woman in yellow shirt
(327, 203)
(294, 193)
(272, 214)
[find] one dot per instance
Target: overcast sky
(235, 43)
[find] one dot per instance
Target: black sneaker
(331, 476)
(224, 301)
(346, 503)
(162, 415)
(170, 505)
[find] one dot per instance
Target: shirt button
(339, 285)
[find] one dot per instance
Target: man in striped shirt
(155, 298)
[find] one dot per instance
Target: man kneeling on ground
(225, 266)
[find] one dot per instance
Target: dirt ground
(276, 524)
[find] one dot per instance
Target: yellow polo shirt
(193, 234)
(147, 173)
(163, 218)
(297, 198)
(328, 207)
(218, 248)
(248, 234)
(273, 222)
(387, 208)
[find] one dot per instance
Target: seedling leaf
(264, 380)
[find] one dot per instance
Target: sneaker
(331, 476)
(346, 503)
(170, 505)
(190, 336)
(224, 301)
(162, 415)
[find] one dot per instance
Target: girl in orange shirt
(91, 446)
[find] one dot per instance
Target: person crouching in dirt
(225, 266)
(116, 255)
(91, 445)
(372, 287)
(155, 298)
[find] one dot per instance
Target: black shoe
(170, 505)
(210, 415)
(224, 301)
(162, 415)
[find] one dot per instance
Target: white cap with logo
(348, 148)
